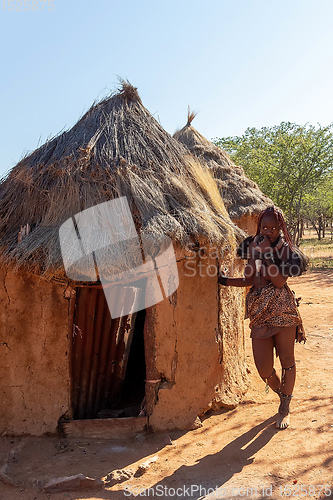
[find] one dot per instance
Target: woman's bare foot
(283, 419)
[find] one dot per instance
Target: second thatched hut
(242, 197)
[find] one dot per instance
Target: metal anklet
(284, 370)
(266, 380)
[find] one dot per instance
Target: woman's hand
(222, 279)
(262, 244)
(247, 280)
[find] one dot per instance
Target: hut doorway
(107, 360)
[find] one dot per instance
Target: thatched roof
(241, 195)
(116, 149)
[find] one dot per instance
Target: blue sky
(239, 63)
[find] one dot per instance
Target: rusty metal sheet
(100, 350)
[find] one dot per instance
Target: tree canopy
(292, 164)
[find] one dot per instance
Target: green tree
(287, 161)
(318, 206)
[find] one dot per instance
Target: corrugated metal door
(100, 350)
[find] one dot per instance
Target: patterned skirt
(271, 309)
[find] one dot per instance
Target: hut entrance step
(115, 428)
(108, 367)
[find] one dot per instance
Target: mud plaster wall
(34, 377)
(235, 378)
(231, 320)
(248, 223)
(199, 346)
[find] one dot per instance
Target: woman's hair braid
(279, 217)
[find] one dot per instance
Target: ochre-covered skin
(34, 349)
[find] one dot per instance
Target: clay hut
(242, 197)
(65, 360)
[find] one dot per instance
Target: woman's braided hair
(279, 217)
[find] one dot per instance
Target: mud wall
(248, 223)
(234, 378)
(199, 345)
(34, 371)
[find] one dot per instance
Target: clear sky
(239, 63)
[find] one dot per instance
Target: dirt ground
(239, 452)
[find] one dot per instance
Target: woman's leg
(263, 353)
(285, 342)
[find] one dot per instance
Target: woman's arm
(274, 275)
(223, 280)
(271, 270)
(247, 279)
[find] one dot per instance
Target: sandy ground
(238, 451)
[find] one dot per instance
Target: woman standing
(271, 305)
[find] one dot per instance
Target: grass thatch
(241, 196)
(116, 149)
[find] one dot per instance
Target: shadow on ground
(213, 471)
